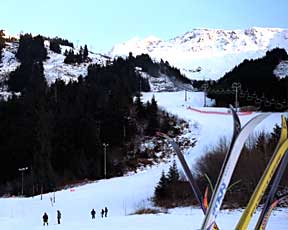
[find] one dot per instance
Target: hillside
(56, 68)
(207, 53)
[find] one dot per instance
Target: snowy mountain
(207, 53)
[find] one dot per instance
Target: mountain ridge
(207, 53)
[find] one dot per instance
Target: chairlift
(241, 94)
(279, 106)
(254, 95)
(221, 91)
(273, 102)
(258, 101)
(228, 91)
(249, 98)
(267, 103)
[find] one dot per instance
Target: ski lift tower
(105, 145)
(205, 87)
(236, 86)
(22, 172)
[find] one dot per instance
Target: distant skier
(102, 212)
(58, 216)
(106, 211)
(93, 213)
(45, 219)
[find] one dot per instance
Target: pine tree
(85, 52)
(161, 188)
(2, 43)
(54, 46)
(140, 111)
(153, 122)
(173, 174)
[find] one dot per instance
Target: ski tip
(160, 134)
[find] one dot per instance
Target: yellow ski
(279, 152)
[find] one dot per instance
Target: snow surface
(55, 68)
(212, 51)
(124, 195)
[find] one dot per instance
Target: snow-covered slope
(207, 53)
(54, 66)
(125, 195)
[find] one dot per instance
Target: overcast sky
(101, 24)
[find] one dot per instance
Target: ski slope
(125, 195)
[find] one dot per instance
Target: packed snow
(124, 195)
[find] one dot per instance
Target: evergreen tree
(2, 43)
(153, 122)
(140, 111)
(173, 174)
(31, 48)
(161, 188)
(85, 52)
(54, 46)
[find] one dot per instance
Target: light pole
(105, 149)
(22, 172)
(205, 87)
(236, 86)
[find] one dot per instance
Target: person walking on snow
(106, 211)
(93, 213)
(102, 212)
(45, 219)
(58, 216)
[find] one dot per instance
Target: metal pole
(22, 175)
(22, 184)
(205, 87)
(105, 169)
(236, 86)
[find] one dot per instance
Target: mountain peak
(215, 51)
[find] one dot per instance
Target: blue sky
(101, 24)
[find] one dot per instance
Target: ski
(220, 190)
(187, 171)
(262, 185)
(270, 209)
(191, 180)
(263, 218)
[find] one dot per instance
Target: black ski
(187, 171)
(271, 195)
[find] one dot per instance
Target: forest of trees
(58, 131)
(79, 57)
(259, 86)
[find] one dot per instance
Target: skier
(93, 213)
(106, 211)
(45, 219)
(58, 216)
(102, 212)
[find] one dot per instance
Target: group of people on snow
(104, 212)
(45, 218)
